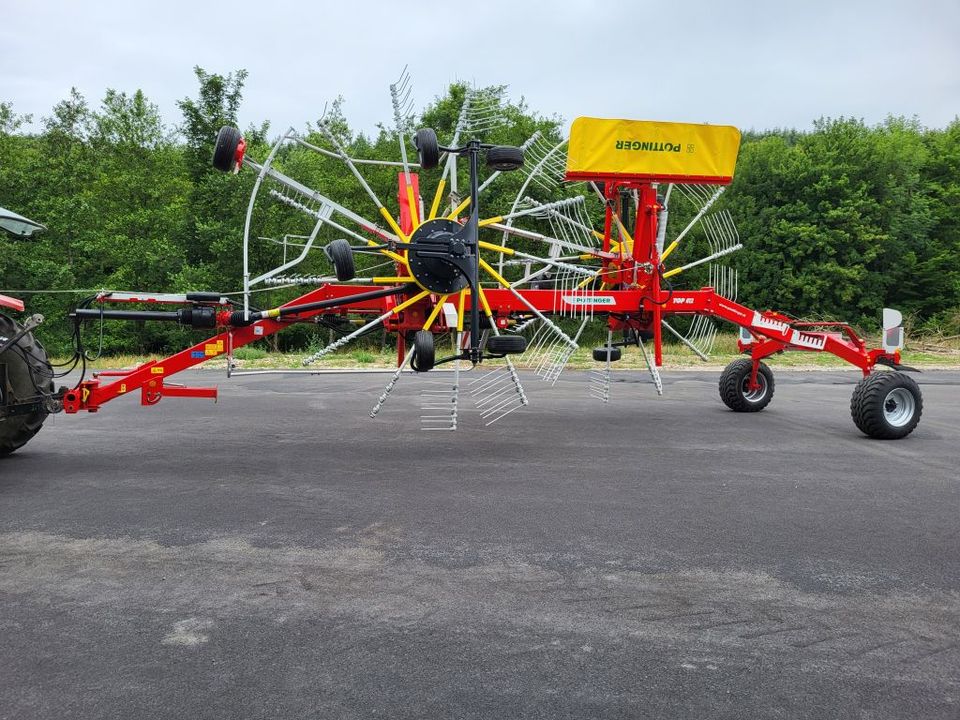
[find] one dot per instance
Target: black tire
(225, 151)
(427, 148)
(733, 386)
(506, 344)
(341, 255)
(424, 355)
(505, 158)
(886, 405)
(600, 353)
(28, 379)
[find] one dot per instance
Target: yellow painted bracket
(463, 300)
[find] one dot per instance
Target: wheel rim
(899, 406)
(754, 396)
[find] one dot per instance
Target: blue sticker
(197, 354)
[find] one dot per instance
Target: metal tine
(299, 280)
(684, 340)
(600, 379)
(340, 342)
(558, 355)
(536, 343)
(497, 393)
(390, 385)
(313, 209)
(485, 110)
(652, 367)
(547, 164)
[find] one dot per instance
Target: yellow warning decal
(653, 151)
(157, 370)
(123, 387)
(84, 395)
(210, 349)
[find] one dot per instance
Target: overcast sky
(750, 64)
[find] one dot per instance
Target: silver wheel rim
(754, 396)
(899, 406)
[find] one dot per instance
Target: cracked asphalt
(281, 555)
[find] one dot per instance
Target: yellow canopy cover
(646, 150)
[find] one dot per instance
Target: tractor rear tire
(424, 352)
(734, 391)
(341, 255)
(29, 378)
(428, 149)
(886, 405)
(225, 151)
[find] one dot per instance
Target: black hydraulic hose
(205, 317)
(237, 319)
(161, 315)
(333, 302)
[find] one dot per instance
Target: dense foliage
(836, 222)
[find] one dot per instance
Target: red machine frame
(632, 281)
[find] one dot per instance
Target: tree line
(837, 222)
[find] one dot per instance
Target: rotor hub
(437, 256)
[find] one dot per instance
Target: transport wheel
(505, 158)
(886, 405)
(225, 151)
(423, 351)
(506, 344)
(341, 255)
(600, 354)
(28, 379)
(734, 391)
(427, 148)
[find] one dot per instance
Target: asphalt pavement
(279, 554)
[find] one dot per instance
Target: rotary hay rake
(524, 284)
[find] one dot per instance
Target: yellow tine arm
(498, 248)
(670, 248)
(437, 197)
(393, 224)
(459, 209)
(407, 303)
(494, 274)
(671, 273)
(483, 301)
(436, 311)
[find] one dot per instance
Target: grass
(920, 353)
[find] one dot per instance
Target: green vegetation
(837, 222)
